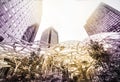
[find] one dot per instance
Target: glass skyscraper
(104, 19)
(16, 17)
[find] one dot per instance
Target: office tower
(104, 19)
(30, 33)
(17, 17)
(49, 37)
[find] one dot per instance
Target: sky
(68, 17)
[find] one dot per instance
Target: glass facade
(104, 19)
(15, 17)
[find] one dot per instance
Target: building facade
(16, 17)
(49, 38)
(30, 33)
(104, 19)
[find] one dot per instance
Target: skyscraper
(30, 33)
(16, 17)
(49, 37)
(104, 19)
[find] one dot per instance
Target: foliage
(72, 61)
